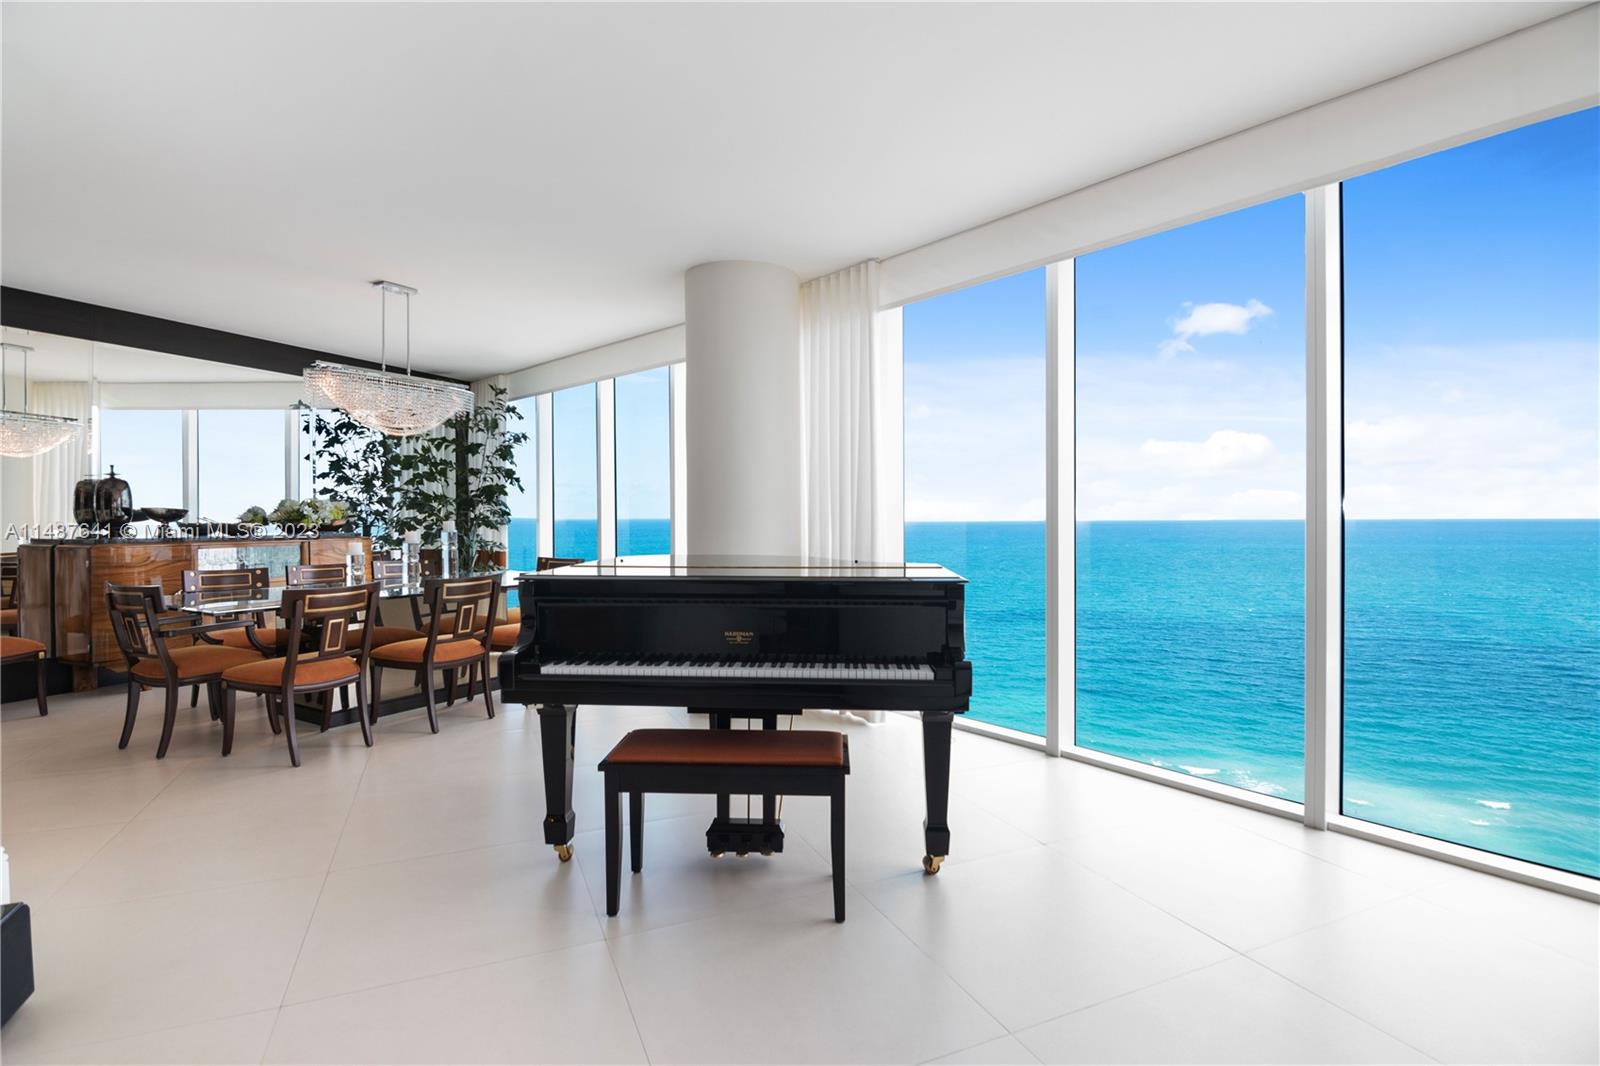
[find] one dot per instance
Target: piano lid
(737, 567)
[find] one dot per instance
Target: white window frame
(1324, 561)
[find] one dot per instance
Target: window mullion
(1324, 694)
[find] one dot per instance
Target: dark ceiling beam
(73, 318)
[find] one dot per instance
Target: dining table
(266, 601)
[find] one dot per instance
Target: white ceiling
(545, 173)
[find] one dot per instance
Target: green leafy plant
(463, 472)
(253, 516)
(488, 452)
(353, 465)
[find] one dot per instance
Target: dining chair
(311, 574)
(325, 575)
(144, 638)
(17, 650)
(10, 570)
(317, 659)
(246, 583)
(458, 637)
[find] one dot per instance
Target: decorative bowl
(165, 514)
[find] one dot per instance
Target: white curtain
(58, 470)
(850, 369)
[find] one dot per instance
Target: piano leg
(936, 729)
(556, 731)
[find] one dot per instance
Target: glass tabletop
(226, 606)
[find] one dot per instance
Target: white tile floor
(397, 905)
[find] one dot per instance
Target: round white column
(743, 409)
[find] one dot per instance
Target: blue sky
(643, 443)
(1472, 300)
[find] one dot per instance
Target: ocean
(1472, 660)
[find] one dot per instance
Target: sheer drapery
(58, 470)
(851, 418)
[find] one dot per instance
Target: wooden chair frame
(10, 573)
(458, 599)
(317, 620)
(314, 575)
(38, 658)
(244, 583)
(135, 613)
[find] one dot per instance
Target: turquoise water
(576, 539)
(1472, 670)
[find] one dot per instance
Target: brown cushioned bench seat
(727, 747)
(720, 762)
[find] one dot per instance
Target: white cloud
(1223, 450)
(1203, 320)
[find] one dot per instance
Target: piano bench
(719, 761)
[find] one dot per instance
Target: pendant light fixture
(23, 433)
(397, 405)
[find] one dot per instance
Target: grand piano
(741, 637)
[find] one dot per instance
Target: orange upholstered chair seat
(235, 638)
(409, 652)
(381, 635)
(268, 673)
(200, 660)
(9, 616)
(505, 636)
(19, 647)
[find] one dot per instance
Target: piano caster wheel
(766, 853)
(564, 852)
(742, 854)
(716, 854)
(930, 864)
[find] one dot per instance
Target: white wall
(743, 409)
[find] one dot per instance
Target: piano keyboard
(744, 670)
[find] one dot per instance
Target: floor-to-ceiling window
(975, 478)
(576, 489)
(1472, 494)
(522, 538)
(241, 462)
(644, 463)
(146, 449)
(1190, 348)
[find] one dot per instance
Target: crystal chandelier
(397, 405)
(23, 433)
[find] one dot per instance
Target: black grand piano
(741, 637)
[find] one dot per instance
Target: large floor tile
(1239, 887)
(1033, 935)
(883, 831)
(155, 857)
(129, 968)
(375, 925)
(1233, 1012)
(42, 861)
(681, 882)
(63, 801)
(1001, 1051)
(224, 1042)
(1570, 926)
(785, 983)
(389, 826)
(1456, 987)
(563, 1006)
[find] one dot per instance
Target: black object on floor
(16, 958)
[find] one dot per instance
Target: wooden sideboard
(62, 583)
